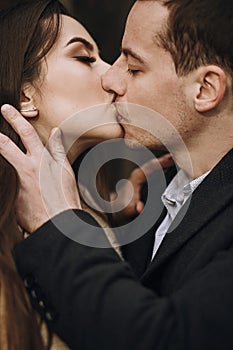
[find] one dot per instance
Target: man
(176, 59)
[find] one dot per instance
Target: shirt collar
(179, 190)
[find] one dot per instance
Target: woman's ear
(212, 86)
(27, 107)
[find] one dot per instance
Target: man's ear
(27, 107)
(212, 86)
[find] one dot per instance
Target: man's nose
(102, 67)
(113, 81)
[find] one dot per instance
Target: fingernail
(6, 108)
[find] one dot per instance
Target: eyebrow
(85, 42)
(130, 52)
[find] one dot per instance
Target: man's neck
(202, 158)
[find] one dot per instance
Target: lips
(119, 118)
(123, 112)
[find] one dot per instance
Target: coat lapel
(210, 197)
(138, 253)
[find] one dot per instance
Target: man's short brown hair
(198, 32)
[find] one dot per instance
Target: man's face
(145, 74)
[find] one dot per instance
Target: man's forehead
(146, 16)
(143, 24)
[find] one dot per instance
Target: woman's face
(70, 82)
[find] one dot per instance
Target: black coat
(183, 301)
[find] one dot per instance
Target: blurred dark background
(105, 20)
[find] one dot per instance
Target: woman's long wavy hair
(28, 30)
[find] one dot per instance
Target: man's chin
(132, 143)
(140, 143)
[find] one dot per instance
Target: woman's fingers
(42, 194)
(139, 175)
(23, 128)
(157, 163)
(166, 161)
(11, 152)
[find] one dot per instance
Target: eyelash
(132, 72)
(86, 59)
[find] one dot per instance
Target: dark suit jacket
(182, 301)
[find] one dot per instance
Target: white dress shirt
(173, 198)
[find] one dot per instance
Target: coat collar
(209, 198)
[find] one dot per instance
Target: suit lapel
(207, 200)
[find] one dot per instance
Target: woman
(50, 69)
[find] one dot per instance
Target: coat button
(41, 303)
(49, 315)
(33, 294)
(29, 281)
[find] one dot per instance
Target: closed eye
(85, 59)
(133, 71)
